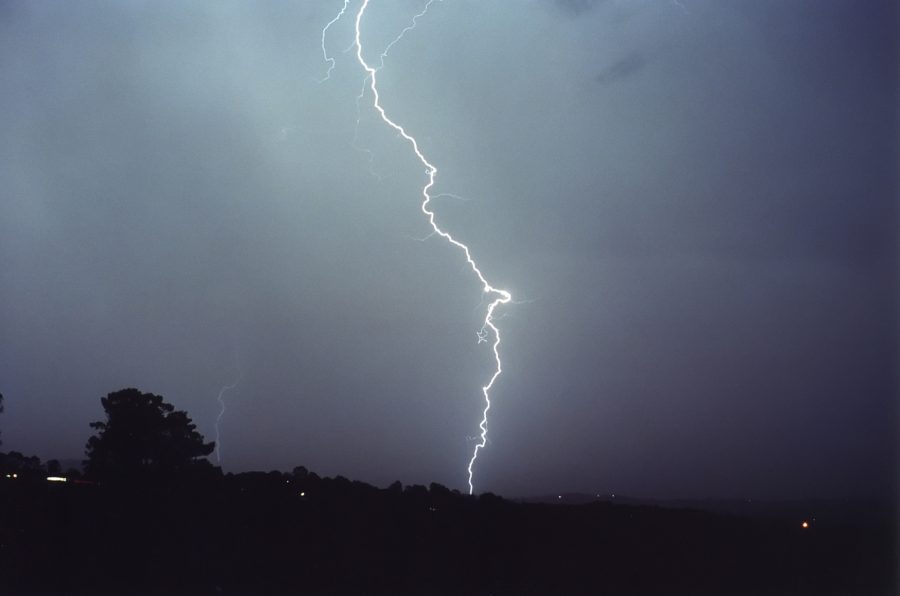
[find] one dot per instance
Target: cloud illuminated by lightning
(489, 331)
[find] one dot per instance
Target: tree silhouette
(143, 438)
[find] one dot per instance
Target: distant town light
(805, 524)
(302, 493)
(56, 479)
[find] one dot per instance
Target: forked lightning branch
(489, 333)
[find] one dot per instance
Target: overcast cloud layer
(694, 201)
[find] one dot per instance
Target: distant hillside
(872, 511)
(273, 533)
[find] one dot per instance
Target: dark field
(256, 534)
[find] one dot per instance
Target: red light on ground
(804, 525)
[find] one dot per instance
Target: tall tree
(143, 437)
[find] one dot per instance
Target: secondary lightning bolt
(406, 29)
(325, 55)
(221, 399)
(488, 329)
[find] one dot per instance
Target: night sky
(693, 202)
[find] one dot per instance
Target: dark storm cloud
(624, 68)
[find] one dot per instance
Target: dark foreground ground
(255, 534)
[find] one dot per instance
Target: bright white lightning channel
(325, 55)
(488, 328)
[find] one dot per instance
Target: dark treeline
(152, 516)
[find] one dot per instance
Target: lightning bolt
(362, 91)
(406, 29)
(488, 331)
(328, 59)
(221, 399)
